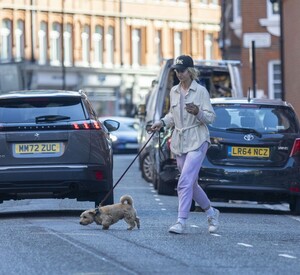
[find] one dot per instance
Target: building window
(20, 45)
(55, 44)
(208, 43)
(6, 40)
(68, 48)
(177, 43)
(136, 47)
(272, 9)
(85, 39)
(275, 79)
(98, 45)
(43, 43)
(158, 47)
(109, 40)
(237, 10)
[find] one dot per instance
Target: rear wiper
(50, 118)
(245, 130)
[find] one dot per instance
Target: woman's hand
(156, 126)
(192, 108)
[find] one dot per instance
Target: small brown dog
(110, 214)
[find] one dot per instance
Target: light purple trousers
(188, 188)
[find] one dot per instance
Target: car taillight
(296, 148)
(99, 175)
(93, 125)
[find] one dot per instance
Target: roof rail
(217, 62)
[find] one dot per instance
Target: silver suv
(52, 145)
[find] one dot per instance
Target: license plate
(37, 148)
(259, 152)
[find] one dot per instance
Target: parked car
(221, 78)
(125, 139)
(254, 154)
(52, 145)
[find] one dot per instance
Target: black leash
(105, 198)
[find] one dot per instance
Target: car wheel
(154, 179)
(295, 205)
(146, 168)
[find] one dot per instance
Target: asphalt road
(45, 237)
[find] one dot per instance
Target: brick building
(111, 48)
(291, 11)
(245, 21)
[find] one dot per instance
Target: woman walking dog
(190, 112)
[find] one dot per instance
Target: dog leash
(105, 198)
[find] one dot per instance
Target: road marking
(295, 218)
(215, 234)
(92, 253)
(245, 244)
(287, 256)
(157, 199)
(163, 209)
(194, 225)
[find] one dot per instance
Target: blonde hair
(194, 73)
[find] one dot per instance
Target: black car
(254, 154)
(52, 145)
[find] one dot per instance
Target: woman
(190, 112)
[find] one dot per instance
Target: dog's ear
(92, 212)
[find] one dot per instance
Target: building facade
(113, 49)
(291, 11)
(251, 33)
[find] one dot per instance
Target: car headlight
(113, 138)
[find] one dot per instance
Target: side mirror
(111, 125)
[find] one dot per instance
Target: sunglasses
(180, 70)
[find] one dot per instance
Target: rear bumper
(252, 184)
(54, 181)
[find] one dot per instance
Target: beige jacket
(190, 130)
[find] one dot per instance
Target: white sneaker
(213, 221)
(177, 228)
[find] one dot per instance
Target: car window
(24, 110)
(261, 118)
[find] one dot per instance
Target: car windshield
(128, 126)
(32, 110)
(255, 118)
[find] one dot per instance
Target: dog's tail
(126, 198)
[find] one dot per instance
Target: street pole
(62, 46)
(253, 68)
(282, 49)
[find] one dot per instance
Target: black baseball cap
(183, 62)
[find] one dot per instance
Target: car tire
(154, 179)
(295, 205)
(146, 167)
